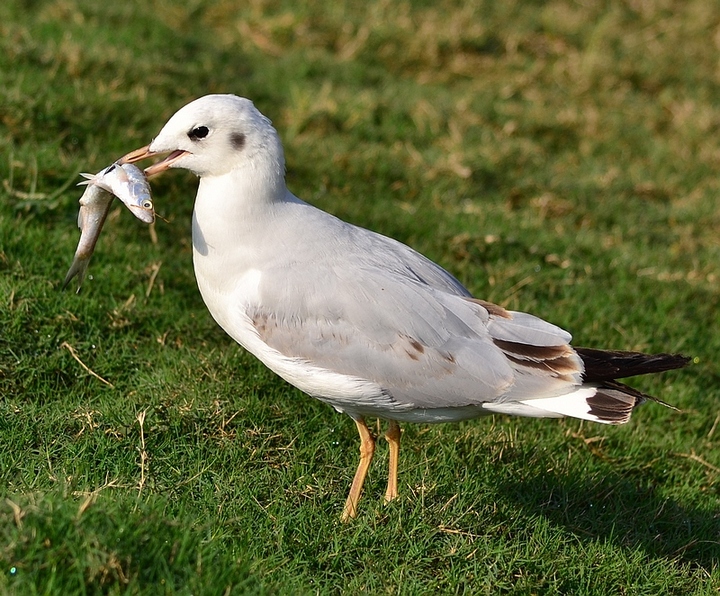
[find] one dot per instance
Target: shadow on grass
(617, 509)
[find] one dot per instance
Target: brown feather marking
(539, 353)
(563, 367)
(412, 355)
(260, 322)
(612, 405)
(414, 348)
(417, 345)
(493, 309)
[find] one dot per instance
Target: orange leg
(367, 450)
(393, 438)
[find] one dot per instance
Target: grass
(557, 157)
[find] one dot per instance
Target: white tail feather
(572, 404)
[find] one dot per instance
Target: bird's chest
(226, 273)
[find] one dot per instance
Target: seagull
(358, 320)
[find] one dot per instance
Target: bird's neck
(237, 199)
(233, 216)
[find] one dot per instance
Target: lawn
(559, 158)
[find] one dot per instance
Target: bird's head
(212, 136)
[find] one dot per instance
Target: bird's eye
(199, 132)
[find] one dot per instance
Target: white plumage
(354, 318)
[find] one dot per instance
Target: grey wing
(399, 260)
(417, 334)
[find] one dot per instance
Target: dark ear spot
(237, 140)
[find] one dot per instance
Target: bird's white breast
(230, 286)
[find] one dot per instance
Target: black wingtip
(608, 365)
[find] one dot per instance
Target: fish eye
(199, 132)
(147, 205)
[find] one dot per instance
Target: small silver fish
(129, 184)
